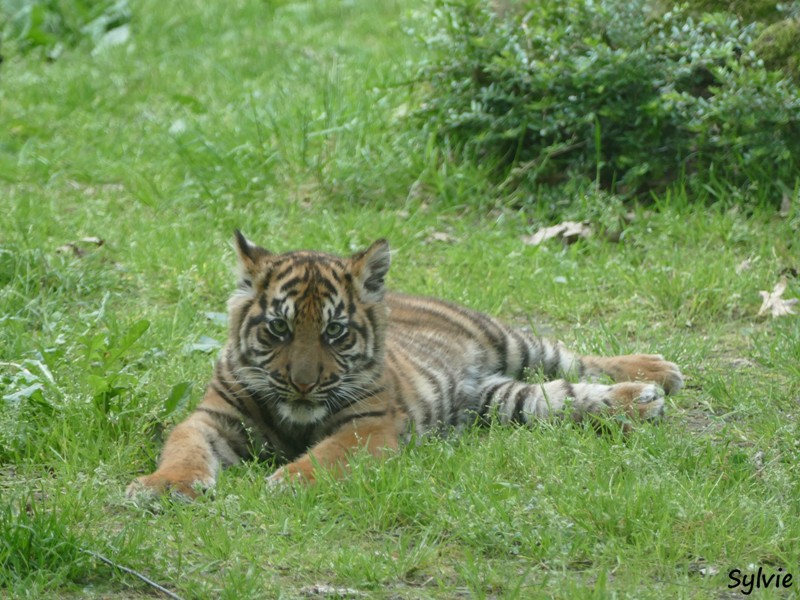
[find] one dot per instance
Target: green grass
(282, 118)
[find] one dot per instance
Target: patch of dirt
(697, 419)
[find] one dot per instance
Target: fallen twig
(148, 581)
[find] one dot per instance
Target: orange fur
(375, 435)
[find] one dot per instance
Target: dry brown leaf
(773, 302)
(71, 248)
(75, 248)
(743, 266)
(441, 236)
(702, 567)
(96, 241)
(568, 231)
(631, 216)
(328, 591)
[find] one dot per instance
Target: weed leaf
(218, 318)
(25, 393)
(129, 339)
(205, 344)
(178, 396)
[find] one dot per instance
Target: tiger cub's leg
(513, 401)
(376, 432)
(533, 353)
(210, 438)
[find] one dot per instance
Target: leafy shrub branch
(52, 25)
(622, 92)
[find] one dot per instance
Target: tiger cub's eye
(334, 330)
(278, 327)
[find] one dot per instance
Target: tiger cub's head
(307, 328)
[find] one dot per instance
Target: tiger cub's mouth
(302, 410)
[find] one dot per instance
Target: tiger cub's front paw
(158, 484)
(300, 471)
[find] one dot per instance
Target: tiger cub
(322, 360)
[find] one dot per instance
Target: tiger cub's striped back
(321, 359)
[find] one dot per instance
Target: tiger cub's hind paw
(653, 367)
(637, 367)
(641, 401)
(651, 402)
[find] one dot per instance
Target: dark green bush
(614, 90)
(779, 47)
(748, 10)
(52, 25)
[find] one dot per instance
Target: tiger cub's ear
(370, 268)
(251, 260)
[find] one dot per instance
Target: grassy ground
(282, 118)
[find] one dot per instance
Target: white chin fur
(302, 414)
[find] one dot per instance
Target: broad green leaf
(178, 396)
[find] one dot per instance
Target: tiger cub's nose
(304, 385)
(304, 376)
(304, 388)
